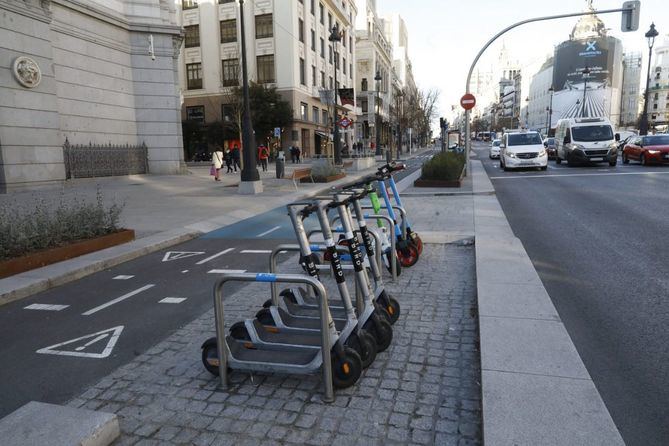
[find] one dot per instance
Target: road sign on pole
(468, 101)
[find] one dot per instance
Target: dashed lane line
(118, 299)
(172, 300)
(226, 271)
(122, 277)
(578, 175)
(262, 234)
(256, 251)
(46, 307)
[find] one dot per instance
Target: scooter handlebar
(389, 168)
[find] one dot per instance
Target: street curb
(32, 282)
(535, 388)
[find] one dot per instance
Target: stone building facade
(94, 71)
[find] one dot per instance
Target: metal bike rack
(402, 212)
(321, 295)
(377, 239)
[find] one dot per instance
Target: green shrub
(322, 171)
(445, 166)
(29, 230)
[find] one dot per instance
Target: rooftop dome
(587, 27)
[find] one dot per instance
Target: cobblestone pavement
(425, 389)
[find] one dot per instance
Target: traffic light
(441, 123)
(630, 17)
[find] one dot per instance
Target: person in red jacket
(263, 156)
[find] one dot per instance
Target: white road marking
(172, 300)
(113, 334)
(176, 255)
(225, 251)
(256, 251)
(267, 232)
(184, 271)
(122, 277)
(226, 271)
(579, 175)
(117, 300)
(46, 307)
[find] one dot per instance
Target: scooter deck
(300, 322)
(267, 334)
(298, 310)
(256, 354)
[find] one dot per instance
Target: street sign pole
(629, 9)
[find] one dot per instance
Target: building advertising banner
(595, 94)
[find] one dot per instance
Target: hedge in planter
(323, 173)
(443, 170)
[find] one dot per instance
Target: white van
(586, 140)
(522, 149)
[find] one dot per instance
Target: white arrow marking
(176, 255)
(172, 300)
(225, 251)
(117, 300)
(262, 234)
(115, 332)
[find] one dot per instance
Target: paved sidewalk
(425, 389)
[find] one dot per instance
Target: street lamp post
(377, 126)
(586, 73)
(650, 35)
(335, 36)
(549, 121)
(250, 179)
(527, 113)
(400, 107)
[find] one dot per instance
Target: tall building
(101, 72)
(631, 95)
(287, 47)
(658, 94)
(374, 54)
(540, 99)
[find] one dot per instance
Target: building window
(322, 79)
(321, 10)
(363, 84)
(322, 48)
(364, 105)
(230, 72)
(302, 74)
(343, 38)
(264, 26)
(195, 113)
(314, 114)
(330, 52)
(350, 70)
(228, 113)
(343, 65)
(654, 106)
(300, 31)
(325, 117)
(194, 76)
(228, 31)
(304, 113)
(350, 44)
(313, 76)
(313, 7)
(192, 37)
(313, 40)
(331, 83)
(266, 69)
(189, 4)
(220, 2)
(329, 21)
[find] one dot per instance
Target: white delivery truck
(586, 140)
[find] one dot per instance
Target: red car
(649, 149)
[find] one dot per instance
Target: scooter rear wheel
(365, 345)
(210, 356)
(390, 306)
(265, 317)
(381, 330)
(346, 370)
(239, 331)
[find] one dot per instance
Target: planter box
(328, 179)
(440, 183)
(358, 164)
(39, 259)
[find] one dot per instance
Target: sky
(446, 35)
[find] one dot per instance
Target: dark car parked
(551, 150)
(649, 149)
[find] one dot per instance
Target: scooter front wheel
(346, 368)
(390, 306)
(408, 255)
(264, 316)
(210, 356)
(418, 242)
(381, 330)
(365, 346)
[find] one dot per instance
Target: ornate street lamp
(400, 109)
(335, 36)
(586, 74)
(250, 178)
(549, 118)
(650, 35)
(377, 78)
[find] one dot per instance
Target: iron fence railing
(89, 160)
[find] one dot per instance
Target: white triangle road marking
(111, 333)
(176, 255)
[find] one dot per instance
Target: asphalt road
(596, 235)
(58, 342)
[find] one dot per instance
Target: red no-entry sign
(468, 101)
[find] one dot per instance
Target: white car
(494, 148)
(522, 149)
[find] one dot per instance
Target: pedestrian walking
(217, 162)
(235, 157)
(228, 160)
(263, 155)
(297, 154)
(292, 154)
